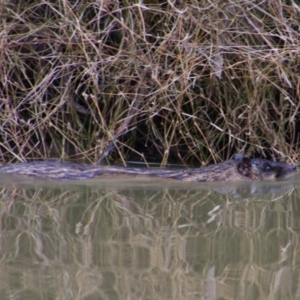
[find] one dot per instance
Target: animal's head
(268, 169)
(262, 169)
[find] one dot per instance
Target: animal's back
(238, 169)
(225, 171)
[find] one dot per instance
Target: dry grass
(197, 80)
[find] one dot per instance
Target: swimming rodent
(240, 168)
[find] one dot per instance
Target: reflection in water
(143, 241)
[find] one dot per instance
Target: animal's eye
(267, 168)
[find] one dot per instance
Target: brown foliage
(217, 78)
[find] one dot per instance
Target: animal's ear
(238, 156)
(245, 166)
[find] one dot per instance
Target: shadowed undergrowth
(183, 81)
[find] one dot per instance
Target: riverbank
(187, 82)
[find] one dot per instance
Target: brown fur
(238, 169)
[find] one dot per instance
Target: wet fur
(238, 169)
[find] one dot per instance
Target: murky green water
(149, 240)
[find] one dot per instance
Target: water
(149, 240)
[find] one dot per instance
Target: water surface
(141, 239)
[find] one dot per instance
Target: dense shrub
(165, 81)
